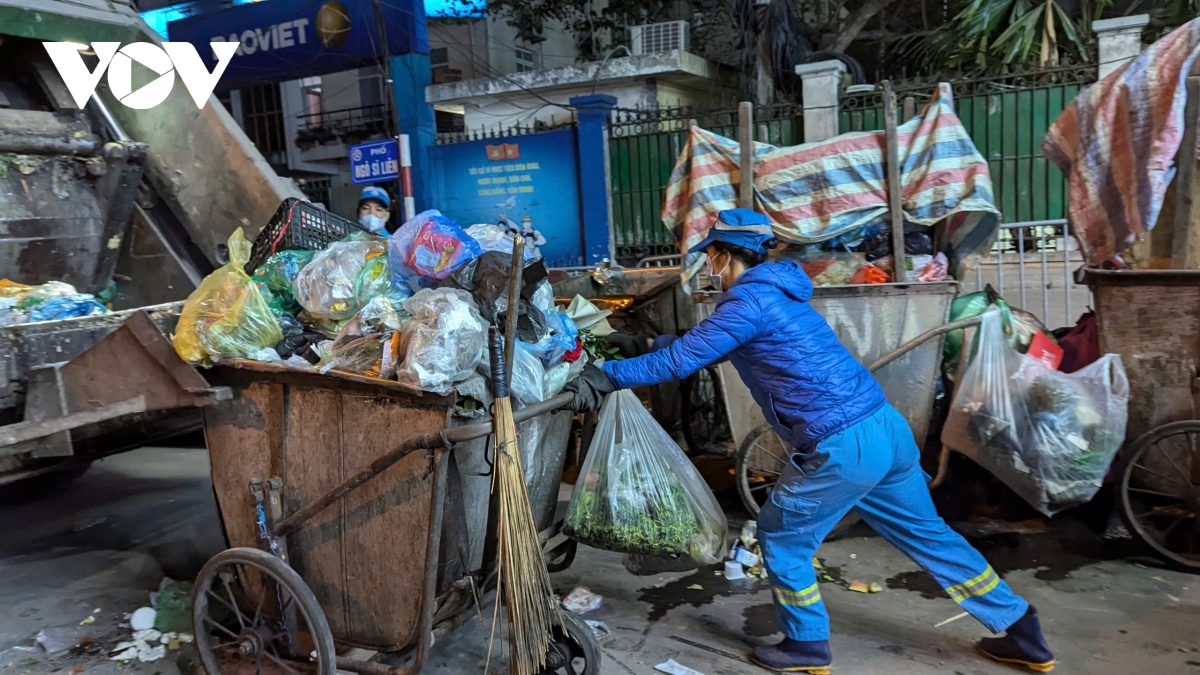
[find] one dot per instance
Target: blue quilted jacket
(808, 385)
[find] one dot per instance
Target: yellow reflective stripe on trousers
(980, 585)
(802, 598)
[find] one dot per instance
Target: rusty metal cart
(1152, 319)
(353, 522)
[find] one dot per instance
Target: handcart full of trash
(346, 396)
(351, 456)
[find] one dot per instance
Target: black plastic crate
(298, 225)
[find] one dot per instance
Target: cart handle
(922, 339)
(429, 441)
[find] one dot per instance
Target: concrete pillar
(591, 117)
(821, 83)
(1120, 40)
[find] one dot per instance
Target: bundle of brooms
(524, 582)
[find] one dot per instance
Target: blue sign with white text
(374, 162)
(532, 180)
(303, 38)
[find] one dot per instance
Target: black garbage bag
(880, 245)
(486, 279)
(300, 343)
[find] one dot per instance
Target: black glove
(630, 346)
(590, 388)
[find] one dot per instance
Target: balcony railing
(348, 125)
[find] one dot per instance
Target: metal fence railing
(329, 126)
(538, 126)
(1032, 267)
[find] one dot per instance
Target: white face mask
(371, 222)
(714, 277)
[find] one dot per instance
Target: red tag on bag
(1043, 349)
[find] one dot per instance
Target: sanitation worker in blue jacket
(852, 449)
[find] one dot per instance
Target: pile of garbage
(868, 259)
(50, 301)
(414, 308)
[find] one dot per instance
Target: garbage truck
(132, 204)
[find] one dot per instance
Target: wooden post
(899, 261)
(908, 108)
(1185, 240)
(746, 139)
(764, 134)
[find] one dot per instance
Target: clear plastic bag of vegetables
(226, 316)
(638, 493)
(1050, 436)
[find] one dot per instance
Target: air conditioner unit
(660, 37)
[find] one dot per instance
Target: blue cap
(740, 227)
(375, 192)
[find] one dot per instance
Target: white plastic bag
(528, 375)
(443, 342)
(1050, 436)
(343, 277)
(638, 493)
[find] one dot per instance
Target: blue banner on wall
(534, 176)
(303, 38)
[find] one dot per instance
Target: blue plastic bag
(71, 306)
(429, 248)
(561, 339)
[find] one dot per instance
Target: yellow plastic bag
(11, 289)
(226, 316)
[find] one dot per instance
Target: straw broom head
(524, 579)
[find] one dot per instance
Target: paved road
(107, 541)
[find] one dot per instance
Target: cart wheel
(760, 462)
(704, 424)
(1160, 498)
(574, 650)
(253, 613)
(562, 556)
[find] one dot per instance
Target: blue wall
(535, 175)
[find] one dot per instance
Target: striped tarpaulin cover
(1116, 143)
(817, 191)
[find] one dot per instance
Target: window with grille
(370, 87)
(526, 60)
(262, 120)
(317, 190)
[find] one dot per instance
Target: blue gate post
(410, 75)
(591, 115)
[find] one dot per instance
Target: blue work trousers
(873, 467)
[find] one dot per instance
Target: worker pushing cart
(852, 449)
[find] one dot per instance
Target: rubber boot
(795, 656)
(1022, 645)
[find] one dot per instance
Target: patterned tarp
(818, 191)
(1116, 143)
